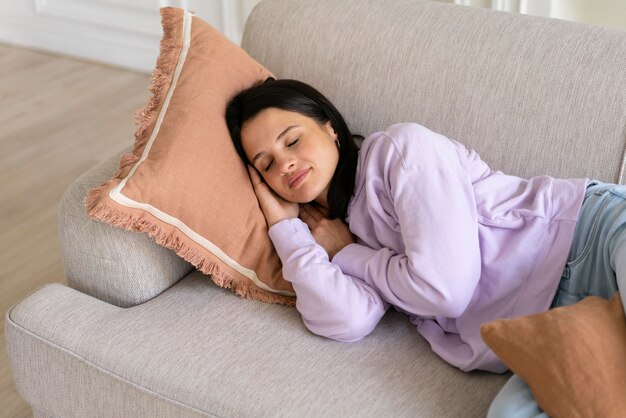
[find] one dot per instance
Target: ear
(330, 129)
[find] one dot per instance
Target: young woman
(416, 221)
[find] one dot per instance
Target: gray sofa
(139, 333)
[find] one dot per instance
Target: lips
(298, 177)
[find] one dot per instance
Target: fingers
(261, 189)
(254, 176)
(307, 219)
(323, 211)
(263, 193)
(313, 212)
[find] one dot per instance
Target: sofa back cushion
(531, 95)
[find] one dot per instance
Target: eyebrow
(283, 133)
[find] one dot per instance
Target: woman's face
(295, 155)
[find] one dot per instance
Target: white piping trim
(116, 192)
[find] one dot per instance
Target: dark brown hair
(296, 96)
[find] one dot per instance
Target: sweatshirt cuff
(353, 260)
(290, 235)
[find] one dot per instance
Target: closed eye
(288, 145)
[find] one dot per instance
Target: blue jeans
(596, 266)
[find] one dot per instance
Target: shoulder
(411, 144)
(397, 132)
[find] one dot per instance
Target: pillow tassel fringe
(170, 47)
(159, 83)
(220, 277)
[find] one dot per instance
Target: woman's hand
(332, 235)
(274, 207)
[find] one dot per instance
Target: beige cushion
(184, 183)
(531, 95)
(198, 350)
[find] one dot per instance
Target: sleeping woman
(415, 221)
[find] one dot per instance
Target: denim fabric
(599, 247)
(596, 266)
(515, 400)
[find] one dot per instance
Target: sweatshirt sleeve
(332, 304)
(431, 193)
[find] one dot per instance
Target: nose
(286, 164)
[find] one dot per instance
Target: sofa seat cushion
(199, 350)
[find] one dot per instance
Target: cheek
(272, 181)
(329, 158)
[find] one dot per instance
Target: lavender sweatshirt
(440, 237)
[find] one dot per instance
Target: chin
(301, 198)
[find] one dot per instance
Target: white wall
(610, 13)
(599, 12)
(124, 33)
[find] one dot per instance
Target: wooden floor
(58, 118)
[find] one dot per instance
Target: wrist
(337, 250)
(274, 221)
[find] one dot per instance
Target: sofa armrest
(120, 267)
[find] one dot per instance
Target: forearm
(421, 290)
(332, 304)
